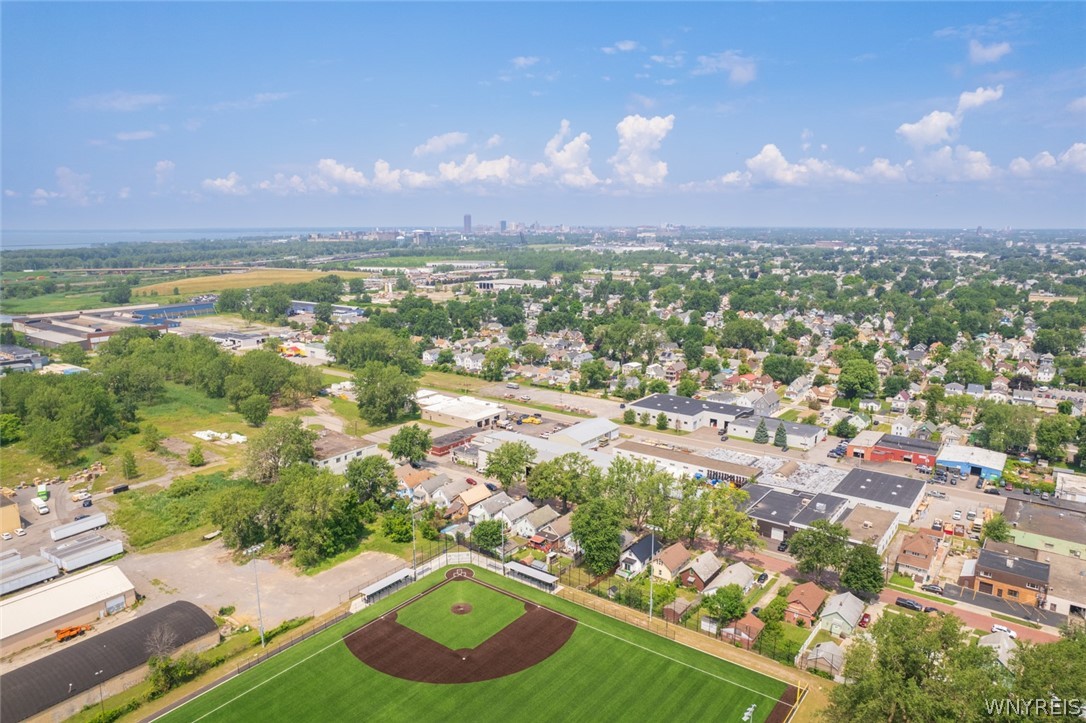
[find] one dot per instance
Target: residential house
(429, 357)
(744, 631)
(699, 571)
(535, 520)
(899, 403)
(736, 574)
(424, 490)
(1003, 645)
(635, 558)
(841, 614)
(1011, 572)
(804, 602)
(445, 495)
(512, 514)
(827, 657)
(410, 478)
(667, 564)
(903, 427)
(562, 530)
(488, 508)
(917, 555)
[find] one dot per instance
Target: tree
(996, 529)
(822, 545)
(1053, 434)
(594, 374)
(597, 527)
(843, 429)
(728, 522)
(151, 437)
(319, 516)
(71, 353)
(385, 393)
(118, 293)
(487, 535)
(282, 443)
(858, 378)
(761, 434)
(495, 362)
(644, 419)
(562, 478)
(196, 456)
(863, 571)
(780, 437)
(1052, 671)
(629, 416)
(371, 478)
(509, 463)
(913, 668)
(1065, 407)
(657, 386)
(725, 604)
(784, 369)
(894, 384)
(688, 386)
(128, 466)
(254, 409)
(323, 312)
(661, 421)
(1005, 427)
(11, 429)
(531, 353)
(411, 444)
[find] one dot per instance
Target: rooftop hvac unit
(867, 524)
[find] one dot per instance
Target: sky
(198, 115)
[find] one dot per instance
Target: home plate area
(460, 631)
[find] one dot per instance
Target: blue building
(982, 463)
(172, 312)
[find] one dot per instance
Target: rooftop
(887, 489)
(867, 524)
(778, 506)
(331, 443)
(42, 604)
(688, 407)
(973, 456)
(908, 444)
(821, 507)
(1067, 578)
(1039, 519)
(1022, 567)
(691, 459)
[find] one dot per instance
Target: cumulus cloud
(74, 186)
(979, 53)
(1072, 160)
(670, 61)
(284, 185)
(524, 61)
(769, 167)
(502, 170)
(41, 197)
(568, 160)
(494, 141)
(622, 46)
(387, 178)
(120, 101)
(231, 185)
(741, 70)
(134, 135)
(960, 163)
(441, 143)
(940, 126)
(164, 172)
(1078, 105)
(335, 172)
(882, 170)
(639, 138)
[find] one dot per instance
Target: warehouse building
(62, 684)
(686, 414)
(798, 435)
(892, 493)
(972, 461)
(589, 434)
(681, 464)
(877, 447)
(334, 450)
(81, 551)
(32, 616)
(459, 411)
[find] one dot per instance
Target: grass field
(432, 615)
(245, 280)
(607, 671)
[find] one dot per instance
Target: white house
(488, 508)
(511, 515)
(334, 450)
(534, 521)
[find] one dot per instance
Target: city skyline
(237, 115)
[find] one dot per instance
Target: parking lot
(61, 511)
(542, 427)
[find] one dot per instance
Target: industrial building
(28, 618)
(686, 414)
(17, 572)
(9, 515)
(81, 551)
(889, 492)
(334, 450)
(589, 434)
(798, 435)
(681, 464)
(876, 447)
(545, 449)
(445, 443)
(19, 359)
(62, 684)
(459, 411)
(972, 461)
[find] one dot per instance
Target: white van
(512, 385)
(39, 505)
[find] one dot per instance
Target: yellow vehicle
(532, 420)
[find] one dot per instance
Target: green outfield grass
(433, 617)
(607, 671)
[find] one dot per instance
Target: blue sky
(161, 115)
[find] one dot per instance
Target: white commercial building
(459, 411)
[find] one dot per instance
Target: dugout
(387, 585)
(531, 576)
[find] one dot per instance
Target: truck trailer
(88, 523)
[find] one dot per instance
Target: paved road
(1006, 607)
(974, 618)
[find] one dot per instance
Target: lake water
(79, 239)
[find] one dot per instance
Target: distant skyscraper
(467, 223)
(504, 226)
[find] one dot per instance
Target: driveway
(1005, 607)
(972, 619)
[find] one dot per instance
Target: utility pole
(101, 699)
(251, 552)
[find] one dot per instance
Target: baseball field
(472, 645)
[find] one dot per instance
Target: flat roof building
(871, 526)
(681, 464)
(972, 460)
(334, 450)
(900, 495)
(686, 414)
(459, 411)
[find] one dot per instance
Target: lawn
(608, 670)
(433, 617)
(245, 280)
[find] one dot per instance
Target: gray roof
(821, 507)
(589, 430)
(1003, 644)
(453, 488)
(641, 549)
(908, 444)
(433, 484)
(704, 565)
(494, 505)
(795, 428)
(44, 683)
(518, 509)
(687, 406)
(887, 489)
(737, 574)
(778, 506)
(847, 605)
(542, 516)
(1020, 566)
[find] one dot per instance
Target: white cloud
(741, 70)
(124, 193)
(979, 53)
(882, 170)
(283, 185)
(494, 141)
(231, 185)
(936, 127)
(1074, 158)
(1078, 105)
(960, 163)
(770, 166)
(638, 140)
(120, 101)
(75, 186)
(622, 46)
(806, 137)
(670, 61)
(387, 178)
(253, 101)
(976, 98)
(11, 194)
(164, 172)
(441, 143)
(504, 170)
(569, 161)
(134, 135)
(524, 61)
(334, 171)
(40, 196)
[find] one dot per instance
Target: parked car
(6, 536)
(953, 481)
(937, 494)
(932, 609)
(471, 481)
(1044, 495)
(992, 491)
(865, 620)
(980, 484)
(20, 532)
(1026, 491)
(491, 486)
(910, 604)
(755, 610)
(762, 578)
(88, 503)
(957, 515)
(783, 546)
(932, 587)
(997, 628)
(1008, 487)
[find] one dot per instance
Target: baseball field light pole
(652, 554)
(101, 699)
(251, 552)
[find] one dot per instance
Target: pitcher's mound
(461, 609)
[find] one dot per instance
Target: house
(535, 520)
(513, 513)
(841, 614)
(798, 389)
(410, 478)
(1011, 572)
(918, 553)
(562, 529)
(674, 611)
(699, 571)
(667, 564)
(445, 495)
(1003, 645)
(423, 491)
(429, 357)
(804, 602)
(473, 495)
(743, 631)
(334, 450)
(899, 404)
(488, 508)
(827, 657)
(735, 574)
(903, 427)
(636, 557)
